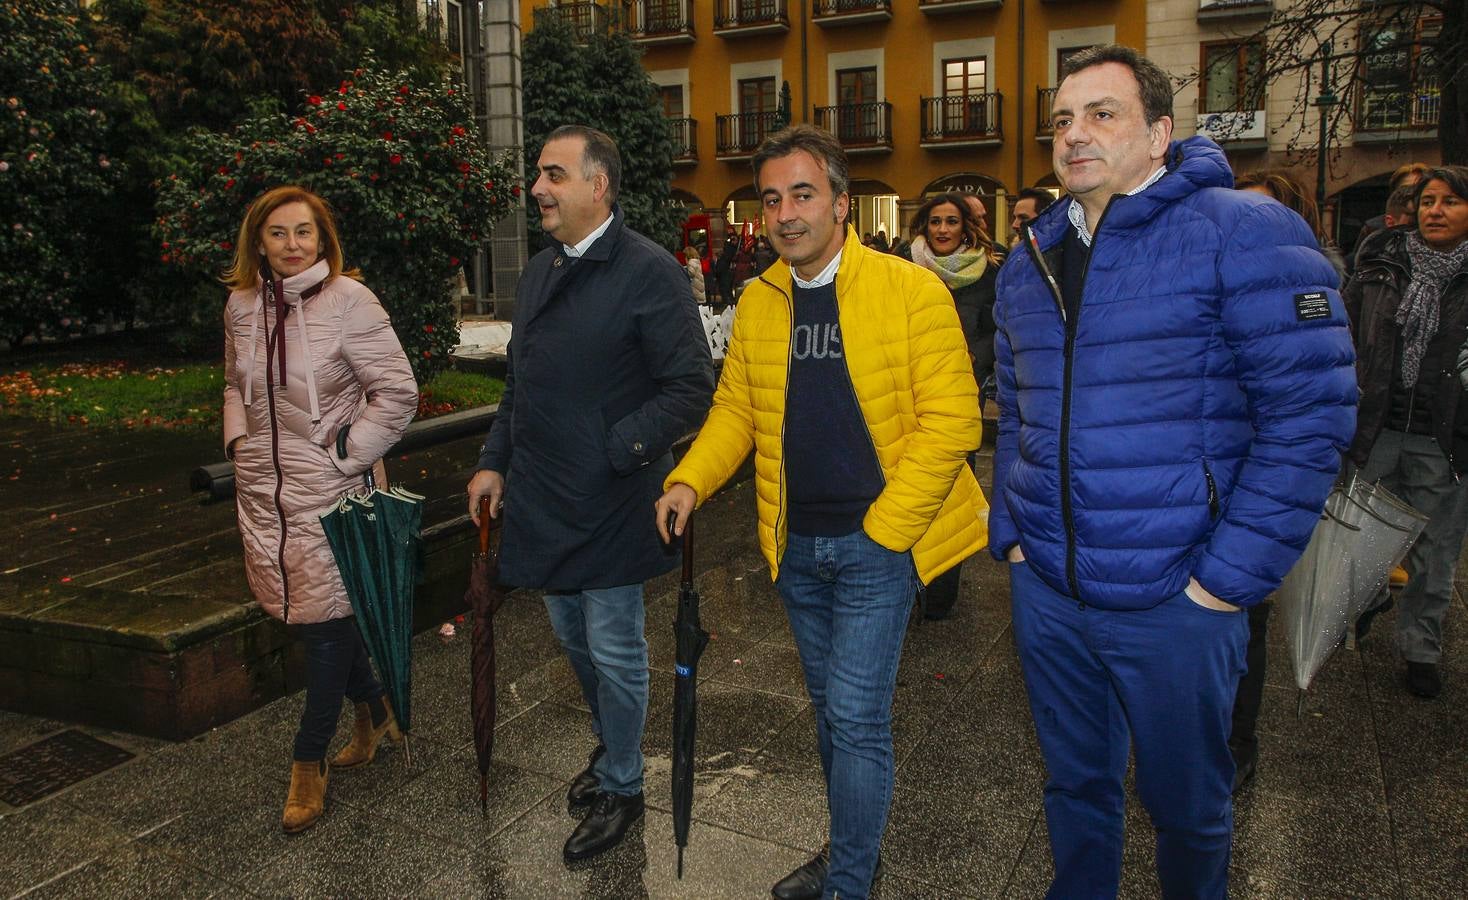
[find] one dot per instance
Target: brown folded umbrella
(484, 597)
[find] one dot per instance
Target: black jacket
(1372, 297)
(975, 304)
(608, 366)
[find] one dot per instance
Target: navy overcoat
(608, 366)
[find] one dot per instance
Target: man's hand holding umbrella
(675, 505)
(486, 483)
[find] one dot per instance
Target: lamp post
(1323, 101)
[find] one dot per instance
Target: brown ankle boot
(365, 738)
(307, 798)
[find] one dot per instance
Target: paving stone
(131, 870)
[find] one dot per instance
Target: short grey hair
(599, 154)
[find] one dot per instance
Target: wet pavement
(1362, 792)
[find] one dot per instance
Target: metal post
(1323, 101)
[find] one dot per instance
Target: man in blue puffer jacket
(1176, 384)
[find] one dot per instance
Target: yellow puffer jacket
(910, 367)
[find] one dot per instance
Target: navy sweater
(831, 468)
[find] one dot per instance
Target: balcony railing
(739, 135)
(1394, 108)
(940, 7)
(652, 22)
(962, 121)
(1044, 105)
(738, 18)
(685, 140)
(850, 12)
(858, 126)
(585, 19)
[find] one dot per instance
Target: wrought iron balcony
(1044, 105)
(968, 121)
(685, 141)
(941, 7)
(860, 127)
(744, 18)
(585, 19)
(829, 13)
(653, 22)
(739, 135)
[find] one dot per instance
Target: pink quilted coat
(343, 365)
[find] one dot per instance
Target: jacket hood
(1192, 164)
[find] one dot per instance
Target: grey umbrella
(1363, 534)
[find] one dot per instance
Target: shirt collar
(826, 276)
(1078, 214)
(585, 243)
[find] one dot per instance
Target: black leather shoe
(808, 882)
(1424, 680)
(604, 827)
(585, 786)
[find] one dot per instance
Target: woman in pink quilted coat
(308, 350)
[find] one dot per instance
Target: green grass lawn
(117, 394)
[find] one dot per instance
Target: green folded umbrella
(375, 541)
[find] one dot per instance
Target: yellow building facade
(926, 95)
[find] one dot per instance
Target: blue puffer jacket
(1191, 421)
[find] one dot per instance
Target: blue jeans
(848, 600)
(1161, 679)
(601, 632)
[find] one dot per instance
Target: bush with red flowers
(413, 188)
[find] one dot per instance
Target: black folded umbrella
(484, 597)
(691, 640)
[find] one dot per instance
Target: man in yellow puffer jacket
(848, 376)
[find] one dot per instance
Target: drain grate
(59, 761)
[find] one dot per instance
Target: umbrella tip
(680, 863)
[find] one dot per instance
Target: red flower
(429, 328)
(164, 258)
(310, 129)
(224, 170)
(341, 106)
(463, 167)
(314, 100)
(387, 135)
(229, 184)
(427, 354)
(458, 130)
(226, 245)
(326, 161)
(374, 176)
(403, 89)
(395, 159)
(515, 190)
(453, 263)
(489, 185)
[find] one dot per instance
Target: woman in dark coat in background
(1408, 303)
(952, 244)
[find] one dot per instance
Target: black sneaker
(1423, 680)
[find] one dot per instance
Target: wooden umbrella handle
(484, 526)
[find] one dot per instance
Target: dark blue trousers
(336, 666)
(1159, 681)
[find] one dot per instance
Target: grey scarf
(1422, 302)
